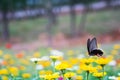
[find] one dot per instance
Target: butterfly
(92, 48)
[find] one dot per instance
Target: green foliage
(87, 2)
(10, 5)
(71, 2)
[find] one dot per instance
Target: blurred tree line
(11, 6)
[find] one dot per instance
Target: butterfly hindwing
(88, 46)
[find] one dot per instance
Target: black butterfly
(93, 49)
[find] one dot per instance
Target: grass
(97, 23)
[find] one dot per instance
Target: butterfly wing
(88, 45)
(94, 49)
(93, 44)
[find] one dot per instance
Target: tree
(108, 3)
(51, 16)
(4, 7)
(86, 4)
(72, 17)
(7, 6)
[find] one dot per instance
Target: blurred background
(31, 24)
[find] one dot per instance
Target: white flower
(112, 63)
(80, 56)
(112, 77)
(74, 68)
(45, 58)
(35, 59)
(39, 67)
(56, 63)
(56, 53)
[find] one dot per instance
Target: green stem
(53, 66)
(70, 78)
(87, 76)
(99, 78)
(35, 70)
(103, 71)
(13, 78)
(63, 72)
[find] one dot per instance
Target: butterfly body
(96, 52)
(93, 50)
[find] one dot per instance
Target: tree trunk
(108, 3)
(72, 20)
(49, 27)
(5, 29)
(83, 21)
(50, 21)
(50, 12)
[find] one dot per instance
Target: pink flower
(60, 78)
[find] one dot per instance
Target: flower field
(59, 65)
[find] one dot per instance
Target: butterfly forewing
(93, 44)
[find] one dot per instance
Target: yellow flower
(22, 68)
(79, 71)
(42, 76)
(92, 69)
(24, 62)
(55, 75)
(98, 67)
(48, 72)
(73, 61)
(1, 52)
(116, 46)
(70, 52)
(84, 67)
(118, 78)
(69, 75)
(11, 61)
(78, 77)
(42, 72)
(13, 71)
(99, 74)
(5, 78)
(26, 75)
(44, 63)
(63, 66)
(110, 57)
(102, 61)
(89, 68)
(114, 52)
(87, 60)
(4, 72)
(48, 77)
(36, 55)
(7, 56)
